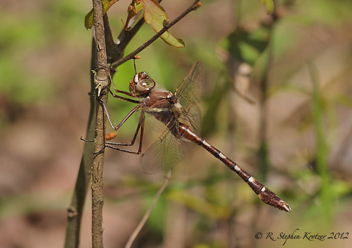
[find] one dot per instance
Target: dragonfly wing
(188, 94)
(189, 91)
(165, 152)
(191, 117)
(194, 118)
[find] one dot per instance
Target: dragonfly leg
(121, 91)
(94, 153)
(124, 98)
(109, 145)
(139, 127)
(100, 151)
(112, 145)
(124, 119)
(122, 150)
(106, 109)
(86, 140)
(133, 139)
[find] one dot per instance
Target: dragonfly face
(141, 84)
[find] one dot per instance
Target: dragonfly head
(141, 84)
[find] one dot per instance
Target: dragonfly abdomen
(263, 192)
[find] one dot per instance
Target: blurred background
(277, 99)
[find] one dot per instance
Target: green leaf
(89, 19)
(269, 4)
(155, 16)
(138, 6)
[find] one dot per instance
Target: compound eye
(145, 85)
(141, 84)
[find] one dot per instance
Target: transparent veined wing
(164, 153)
(188, 94)
(189, 91)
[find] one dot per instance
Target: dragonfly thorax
(141, 84)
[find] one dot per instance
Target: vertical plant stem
(75, 210)
(321, 147)
(263, 152)
(149, 211)
(263, 158)
(98, 162)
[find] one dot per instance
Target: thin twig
(123, 40)
(147, 214)
(167, 26)
(109, 39)
(99, 144)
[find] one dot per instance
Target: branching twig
(167, 26)
(147, 214)
(123, 40)
(103, 43)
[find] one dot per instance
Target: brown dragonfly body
(180, 115)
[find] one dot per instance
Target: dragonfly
(180, 115)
